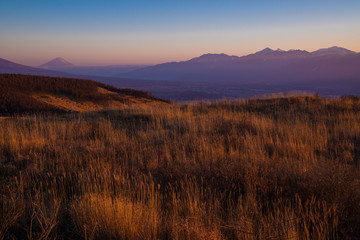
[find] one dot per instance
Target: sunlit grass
(276, 168)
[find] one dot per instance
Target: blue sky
(117, 32)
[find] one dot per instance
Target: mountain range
(265, 66)
(329, 71)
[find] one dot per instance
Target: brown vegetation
(279, 168)
(33, 94)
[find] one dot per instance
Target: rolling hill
(28, 94)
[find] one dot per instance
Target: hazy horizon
(104, 64)
(127, 32)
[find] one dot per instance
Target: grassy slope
(282, 168)
(26, 94)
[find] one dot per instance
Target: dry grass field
(274, 168)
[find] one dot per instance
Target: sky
(98, 32)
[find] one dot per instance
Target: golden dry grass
(65, 103)
(275, 168)
(108, 217)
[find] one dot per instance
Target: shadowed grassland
(277, 168)
(24, 94)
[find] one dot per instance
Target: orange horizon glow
(152, 34)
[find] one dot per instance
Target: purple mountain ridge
(268, 53)
(265, 66)
(337, 51)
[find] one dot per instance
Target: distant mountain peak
(60, 59)
(214, 57)
(265, 51)
(213, 54)
(57, 63)
(335, 50)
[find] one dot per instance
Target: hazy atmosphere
(151, 32)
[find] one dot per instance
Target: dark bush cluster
(15, 102)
